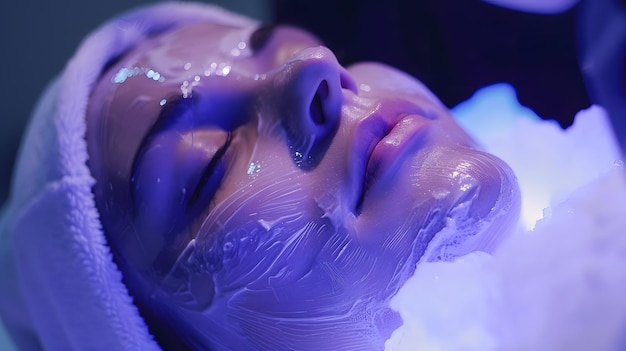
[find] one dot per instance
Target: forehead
(195, 49)
(206, 49)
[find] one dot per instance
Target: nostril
(310, 101)
(316, 110)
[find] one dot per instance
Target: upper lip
(368, 155)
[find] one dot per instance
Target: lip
(380, 143)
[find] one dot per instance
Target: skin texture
(257, 195)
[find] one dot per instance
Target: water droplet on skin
(153, 75)
(466, 187)
(297, 158)
(440, 193)
(254, 168)
(185, 89)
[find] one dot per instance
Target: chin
(444, 202)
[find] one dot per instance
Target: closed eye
(212, 173)
(179, 166)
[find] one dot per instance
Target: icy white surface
(550, 163)
(559, 284)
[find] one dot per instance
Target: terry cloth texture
(59, 287)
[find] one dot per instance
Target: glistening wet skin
(258, 195)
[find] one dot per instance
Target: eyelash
(209, 171)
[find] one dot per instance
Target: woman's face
(263, 196)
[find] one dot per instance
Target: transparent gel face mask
(257, 194)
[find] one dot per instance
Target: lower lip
(391, 152)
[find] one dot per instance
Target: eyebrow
(169, 115)
(173, 112)
(260, 37)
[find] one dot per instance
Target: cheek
(439, 185)
(296, 270)
(257, 164)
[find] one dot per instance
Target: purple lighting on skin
(273, 213)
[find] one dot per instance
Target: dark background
(454, 46)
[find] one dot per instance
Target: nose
(309, 98)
